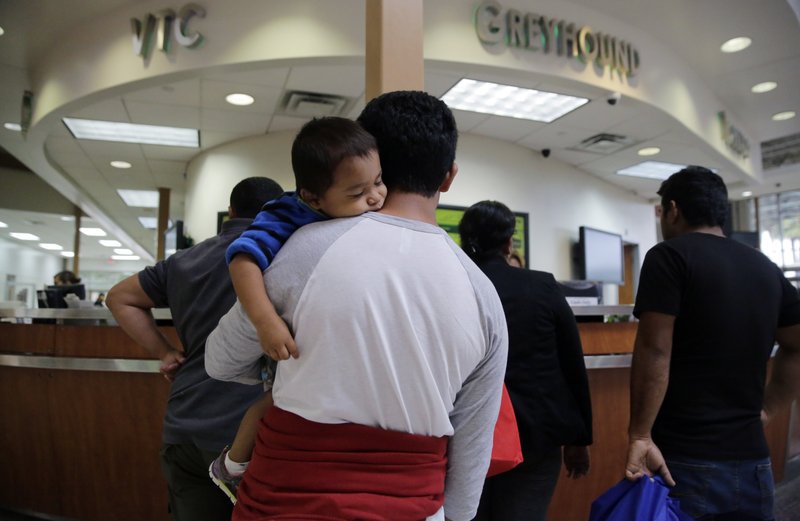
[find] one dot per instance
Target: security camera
(613, 98)
(546, 152)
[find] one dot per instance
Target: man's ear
(232, 213)
(448, 179)
(673, 212)
(309, 198)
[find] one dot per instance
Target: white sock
(234, 468)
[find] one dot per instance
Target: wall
(33, 269)
(557, 197)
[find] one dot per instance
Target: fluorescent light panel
(651, 170)
(125, 257)
(123, 251)
(24, 236)
(3, 225)
(133, 133)
(510, 101)
(151, 223)
(50, 246)
(111, 243)
(140, 198)
(68, 254)
(93, 232)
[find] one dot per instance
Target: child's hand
(276, 340)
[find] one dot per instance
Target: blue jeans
(724, 490)
(524, 492)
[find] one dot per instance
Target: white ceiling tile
(181, 93)
(269, 77)
(508, 129)
(165, 167)
(111, 149)
(232, 121)
(280, 123)
(180, 116)
(108, 110)
(466, 121)
(555, 135)
(170, 153)
(345, 80)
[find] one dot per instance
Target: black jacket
(546, 376)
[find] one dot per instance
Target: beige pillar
(394, 46)
(163, 221)
(76, 243)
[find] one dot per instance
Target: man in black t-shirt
(710, 311)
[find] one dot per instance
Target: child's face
(357, 188)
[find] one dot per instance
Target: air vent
(779, 152)
(603, 144)
(313, 104)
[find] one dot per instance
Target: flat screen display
(601, 256)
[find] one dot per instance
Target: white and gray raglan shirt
(396, 328)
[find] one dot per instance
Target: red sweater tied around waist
(303, 470)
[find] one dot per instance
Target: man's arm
(784, 384)
(649, 377)
(131, 307)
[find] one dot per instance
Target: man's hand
(276, 339)
(644, 458)
(576, 461)
(171, 361)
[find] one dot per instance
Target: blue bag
(644, 500)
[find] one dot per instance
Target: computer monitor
(54, 295)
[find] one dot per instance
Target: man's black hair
(485, 229)
(417, 137)
(699, 193)
(249, 195)
(321, 145)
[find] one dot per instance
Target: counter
(82, 407)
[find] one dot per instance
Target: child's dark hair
(417, 137)
(485, 229)
(700, 194)
(321, 145)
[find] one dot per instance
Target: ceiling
(693, 29)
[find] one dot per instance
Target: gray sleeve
(475, 412)
(233, 352)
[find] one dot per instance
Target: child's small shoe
(222, 478)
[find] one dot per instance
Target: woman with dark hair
(65, 277)
(545, 376)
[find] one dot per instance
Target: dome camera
(613, 98)
(546, 152)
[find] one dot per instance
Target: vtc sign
(164, 26)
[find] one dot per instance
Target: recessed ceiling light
(140, 198)
(747, 193)
(69, 254)
(133, 133)
(2, 31)
(125, 257)
(120, 164)
(51, 246)
(240, 99)
(123, 251)
(111, 243)
(783, 116)
(67, 218)
(16, 127)
(151, 223)
(3, 225)
(510, 101)
(93, 232)
(24, 236)
(651, 170)
(736, 44)
(764, 86)
(648, 151)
